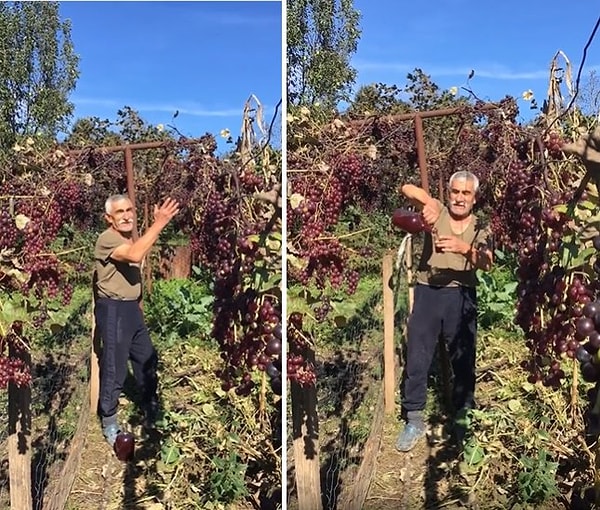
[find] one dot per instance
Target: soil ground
(105, 483)
(434, 475)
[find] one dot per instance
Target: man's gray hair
(465, 175)
(111, 200)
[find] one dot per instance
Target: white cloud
(496, 72)
(189, 109)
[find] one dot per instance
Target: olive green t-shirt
(451, 269)
(115, 280)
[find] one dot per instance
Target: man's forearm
(140, 248)
(415, 194)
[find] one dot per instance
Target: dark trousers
(124, 336)
(451, 311)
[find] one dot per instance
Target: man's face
(121, 216)
(461, 197)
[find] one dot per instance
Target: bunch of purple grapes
(228, 236)
(587, 341)
(44, 211)
(299, 369)
(9, 234)
(13, 369)
(555, 307)
(312, 222)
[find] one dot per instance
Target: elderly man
(118, 314)
(445, 299)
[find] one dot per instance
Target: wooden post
(409, 275)
(94, 356)
(305, 431)
(147, 259)
(131, 188)
(388, 335)
(57, 498)
(19, 439)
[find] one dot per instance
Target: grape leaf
(11, 311)
(587, 204)
(294, 261)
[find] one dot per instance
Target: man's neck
(460, 219)
(125, 235)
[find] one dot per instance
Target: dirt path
(417, 479)
(105, 483)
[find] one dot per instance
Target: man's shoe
(410, 436)
(110, 433)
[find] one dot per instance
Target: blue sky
(203, 59)
(509, 44)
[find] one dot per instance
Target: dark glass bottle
(410, 221)
(124, 446)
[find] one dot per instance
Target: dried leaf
(295, 200)
(372, 151)
(21, 221)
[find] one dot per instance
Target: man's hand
(452, 244)
(431, 212)
(166, 211)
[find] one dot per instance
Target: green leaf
(208, 409)
(11, 310)
(561, 208)
(586, 204)
(169, 453)
(473, 454)
(582, 256)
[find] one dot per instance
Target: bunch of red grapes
(299, 369)
(247, 321)
(13, 369)
(30, 223)
(556, 307)
(325, 195)
(33, 212)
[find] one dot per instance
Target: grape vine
(229, 218)
(346, 163)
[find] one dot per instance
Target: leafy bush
(496, 293)
(179, 308)
(537, 482)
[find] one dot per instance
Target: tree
(588, 99)
(38, 70)
(378, 98)
(322, 35)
